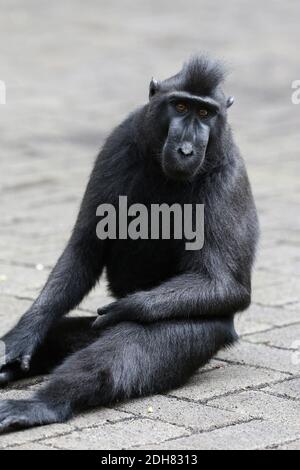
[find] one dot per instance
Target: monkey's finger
(103, 310)
(25, 362)
(8, 376)
(10, 359)
(97, 323)
(5, 378)
(105, 321)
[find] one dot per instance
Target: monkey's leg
(68, 336)
(128, 360)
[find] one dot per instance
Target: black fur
(174, 308)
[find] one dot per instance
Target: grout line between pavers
(279, 395)
(75, 428)
(291, 302)
(267, 330)
(232, 392)
(190, 428)
(24, 264)
(250, 420)
(255, 366)
(286, 442)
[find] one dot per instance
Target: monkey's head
(186, 114)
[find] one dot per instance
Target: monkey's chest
(140, 264)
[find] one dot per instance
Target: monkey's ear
(153, 87)
(230, 101)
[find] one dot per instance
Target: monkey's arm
(185, 296)
(77, 270)
(74, 275)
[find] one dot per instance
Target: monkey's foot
(21, 414)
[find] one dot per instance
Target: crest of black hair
(200, 75)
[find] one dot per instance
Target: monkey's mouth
(180, 167)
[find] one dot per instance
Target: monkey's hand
(18, 348)
(116, 312)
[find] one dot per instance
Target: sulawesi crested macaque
(174, 307)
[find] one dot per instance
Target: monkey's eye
(203, 112)
(181, 108)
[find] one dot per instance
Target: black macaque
(174, 308)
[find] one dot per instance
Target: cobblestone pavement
(73, 70)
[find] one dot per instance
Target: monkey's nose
(186, 149)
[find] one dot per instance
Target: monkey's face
(186, 122)
(184, 125)
(188, 134)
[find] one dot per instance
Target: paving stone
(85, 422)
(99, 417)
(254, 435)
(295, 307)
(283, 260)
(292, 446)
(261, 405)
(289, 389)
(287, 337)
(260, 355)
(139, 432)
(246, 324)
(262, 278)
(191, 415)
(258, 318)
(31, 435)
(278, 295)
(31, 446)
(214, 383)
(21, 281)
(11, 310)
(212, 364)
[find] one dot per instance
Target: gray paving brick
(278, 295)
(289, 388)
(262, 356)
(191, 415)
(85, 423)
(292, 446)
(11, 310)
(31, 446)
(258, 318)
(295, 307)
(224, 381)
(21, 281)
(287, 337)
(99, 417)
(261, 405)
(247, 436)
(139, 432)
(34, 434)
